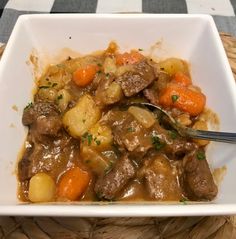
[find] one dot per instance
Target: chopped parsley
(84, 137)
(156, 142)
(99, 72)
(107, 74)
(174, 98)
(44, 87)
(183, 200)
(140, 49)
(59, 97)
(173, 134)
(99, 64)
(29, 105)
(50, 84)
(130, 129)
(201, 155)
(87, 137)
(98, 142)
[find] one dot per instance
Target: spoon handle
(224, 137)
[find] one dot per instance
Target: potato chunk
(63, 99)
(173, 65)
(42, 188)
(102, 136)
(143, 116)
(109, 65)
(113, 93)
(82, 117)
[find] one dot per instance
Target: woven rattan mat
(217, 227)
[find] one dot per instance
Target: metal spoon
(224, 137)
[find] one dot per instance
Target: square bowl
(191, 37)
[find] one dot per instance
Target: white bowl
(192, 37)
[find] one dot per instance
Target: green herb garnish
(183, 200)
(84, 137)
(173, 134)
(201, 155)
(174, 98)
(44, 87)
(59, 97)
(140, 49)
(156, 142)
(54, 84)
(98, 142)
(29, 105)
(99, 64)
(99, 72)
(130, 129)
(87, 137)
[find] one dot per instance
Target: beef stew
(86, 143)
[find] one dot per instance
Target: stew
(87, 142)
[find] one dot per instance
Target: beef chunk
(112, 183)
(132, 82)
(39, 108)
(152, 92)
(59, 151)
(48, 125)
(198, 180)
(44, 118)
(49, 144)
(108, 91)
(129, 134)
(161, 179)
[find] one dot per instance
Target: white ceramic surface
(192, 37)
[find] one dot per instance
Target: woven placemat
(217, 227)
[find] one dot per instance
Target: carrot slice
(182, 79)
(84, 76)
(128, 58)
(73, 183)
(180, 97)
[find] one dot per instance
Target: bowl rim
(122, 209)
